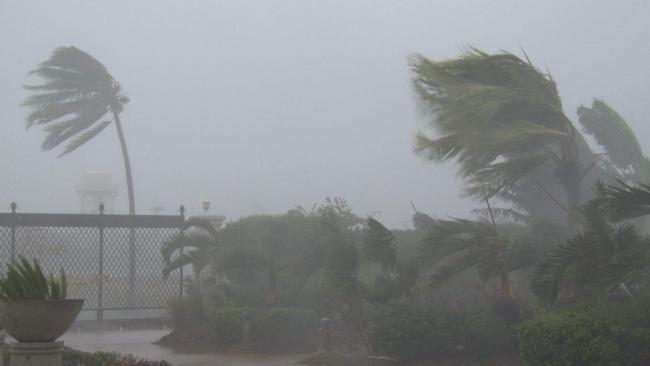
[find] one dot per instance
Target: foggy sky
(258, 106)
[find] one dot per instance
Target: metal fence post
(100, 269)
(14, 206)
(181, 279)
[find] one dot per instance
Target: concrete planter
(39, 321)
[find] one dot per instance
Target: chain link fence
(111, 261)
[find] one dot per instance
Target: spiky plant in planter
(26, 281)
(37, 308)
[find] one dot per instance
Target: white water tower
(96, 188)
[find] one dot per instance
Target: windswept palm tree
(622, 201)
(78, 100)
(614, 134)
(600, 256)
(197, 244)
(502, 120)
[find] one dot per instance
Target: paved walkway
(139, 344)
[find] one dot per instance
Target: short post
(13, 206)
(180, 270)
(36, 354)
(100, 269)
(326, 334)
(2, 346)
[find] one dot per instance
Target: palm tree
(614, 134)
(200, 237)
(624, 201)
(599, 256)
(77, 101)
(457, 245)
(502, 120)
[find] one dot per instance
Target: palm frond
(379, 243)
(622, 201)
(77, 91)
(202, 224)
(615, 135)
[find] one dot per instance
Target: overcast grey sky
(259, 106)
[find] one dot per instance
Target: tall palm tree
(78, 100)
(502, 120)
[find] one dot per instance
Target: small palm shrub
(26, 281)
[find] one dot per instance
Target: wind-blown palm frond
(617, 138)
(201, 224)
(78, 91)
(198, 248)
(457, 245)
(422, 221)
(497, 115)
(379, 244)
(599, 255)
(623, 201)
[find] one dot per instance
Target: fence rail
(111, 261)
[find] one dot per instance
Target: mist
(262, 106)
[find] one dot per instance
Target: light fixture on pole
(206, 206)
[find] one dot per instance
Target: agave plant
(26, 281)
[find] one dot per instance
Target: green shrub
(73, 357)
(588, 334)
(186, 312)
(229, 323)
(278, 329)
(407, 331)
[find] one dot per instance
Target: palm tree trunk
(129, 185)
(505, 285)
(127, 163)
(573, 193)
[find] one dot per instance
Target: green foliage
(26, 281)
(616, 137)
(600, 256)
(623, 201)
(408, 331)
(457, 245)
(271, 329)
(186, 312)
(77, 94)
(73, 357)
(595, 333)
(497, 115)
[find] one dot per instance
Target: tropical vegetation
(25, 280)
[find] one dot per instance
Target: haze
(258, 106)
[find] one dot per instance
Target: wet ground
(139, 343)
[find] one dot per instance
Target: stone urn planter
(40, 321)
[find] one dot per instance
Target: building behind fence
(111, 261)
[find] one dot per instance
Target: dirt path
(139, 344)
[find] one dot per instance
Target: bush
(277, 329)
(186, 312)
(73, 357)
(407, 331)
(588, 334)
